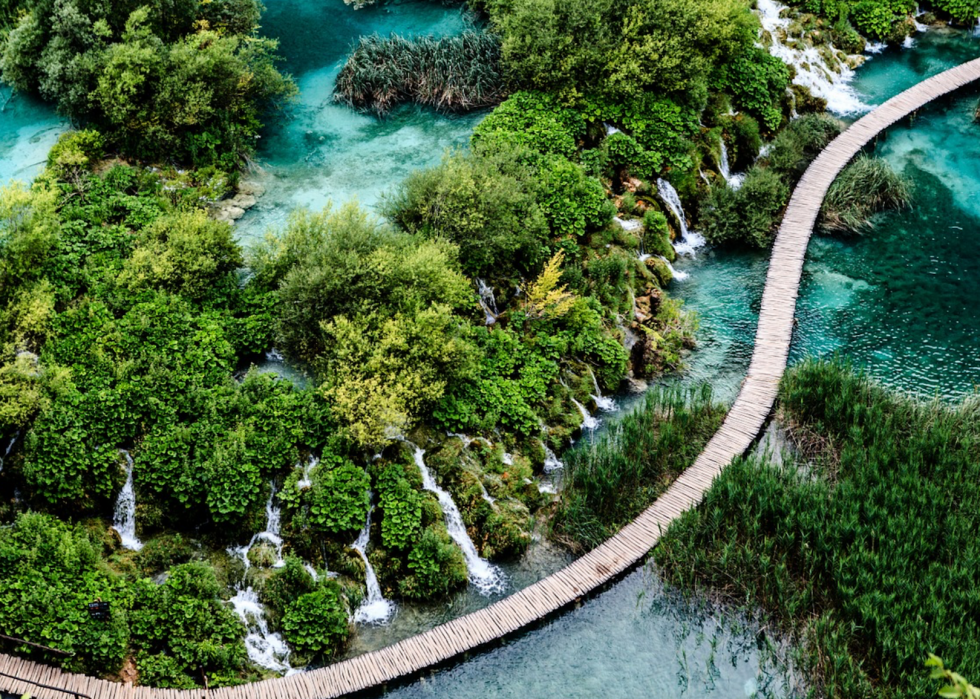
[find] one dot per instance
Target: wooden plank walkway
(521, 609)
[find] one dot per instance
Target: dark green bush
(795, 147)
(749, 214)
(866, 187)
(316, 623)
(436, 564)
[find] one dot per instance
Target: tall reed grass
(455, 73)
(872, 562)
(611, 481)
(866, 187)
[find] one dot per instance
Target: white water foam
(551, 461)
(678, 275)
(10, 446)
(487, 301)
(589, 421)
(304, 481)
(124, 515)
(690, 241)
(734, 180)
(604, 403)
(485, 576)
(812, 70)
(375, 609)
(264, 648)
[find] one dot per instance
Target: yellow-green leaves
(545, 297)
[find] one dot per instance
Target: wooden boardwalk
(634, 541)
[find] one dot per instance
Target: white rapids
(124, 515)
(375, 609)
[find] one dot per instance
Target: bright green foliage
(186, 252)
(338, 498)
(573, 203)
(488, 205)
(611, 482)
(436, 564)
(187, 81)
(671, 46)
(285, 585)
(756, 80)
(963, 11)
(532, 120)
(183, 626)
(76, 152)
(656, 236)
(749, 214)
(316, 623)
(373, 310)
(49, 572)
(829, 547)
(957, 687)
(401, 506)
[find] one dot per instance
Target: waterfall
(690, 240)
(124, 516)
(677, 274)
(375, 609)
(812, 70)
(734, 181)
(271, 533)
(265, 649)
(304, 481)
(551, 462)
(487, 301)
(602, 402)
(274, 355)
(589, 422)
(10, 446)
(486, 577)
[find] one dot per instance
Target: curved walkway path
(634, 541)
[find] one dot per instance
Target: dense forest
(495, 300)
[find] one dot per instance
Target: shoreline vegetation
(456, 343)
(859, 545)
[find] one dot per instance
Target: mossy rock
(262, 555)
(660, 270)
(505, 532)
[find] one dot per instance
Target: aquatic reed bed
(866, 187)
(453, 73)
(871, 562)
(609, 482)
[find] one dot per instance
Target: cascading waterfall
(690, 240)
(304, 481)
(812, 70)
(10, 446)
(604, 403)
(677, 274)
(266, 649)
(589, 421)
(486, 577)
(734, 181)
(271, 533)
(124, 515)
(375, 609)
(487, 301)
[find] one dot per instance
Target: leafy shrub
(186, 252)
(757, 81)
(401, 507)
(163, 552)
(656, 240)
(338, 498)
(436, 564)
(185, 620)
(749, 214)
(76, 152)
(532, 120)
(316, 623)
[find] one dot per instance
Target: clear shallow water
(635, 640)
(28, 129)
(324, 151)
